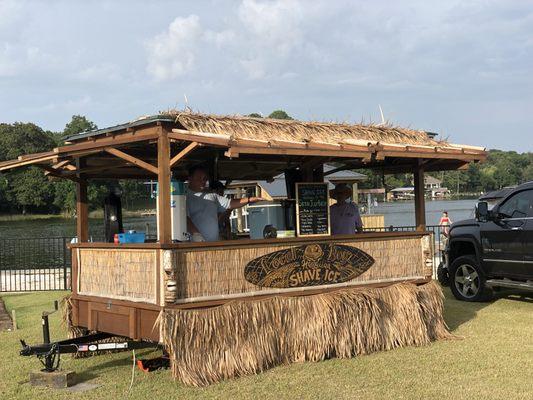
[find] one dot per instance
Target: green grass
(493, 360)
(28, 217)
(95, 214)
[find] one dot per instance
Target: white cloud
(431, 63)
(173, 53)
(273, 23)
(102, 72)
(220, 39)
(69, 106)
(18, 59)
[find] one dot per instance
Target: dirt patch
(5, 320)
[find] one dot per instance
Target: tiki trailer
(236, 307)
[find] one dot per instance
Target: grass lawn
(493, 360)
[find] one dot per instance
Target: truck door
(527, 271)
(503, 239)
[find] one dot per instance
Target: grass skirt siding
(247, 337)
(66, 319)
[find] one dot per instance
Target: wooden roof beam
(98, 168)
(17, 163)
(200, 137)
(118, 140)
(234, 151)
(380, 155)
(65, 164)
(135, 161)
(57, 174)
(183, 153)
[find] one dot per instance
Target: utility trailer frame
(49, 353)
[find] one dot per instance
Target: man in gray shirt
(203, 207)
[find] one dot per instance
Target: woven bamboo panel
(221, 271)
(373, 221)
(121, 274)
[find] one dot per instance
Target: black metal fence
(44, 263)
(28, 264)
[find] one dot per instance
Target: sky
(463, 69)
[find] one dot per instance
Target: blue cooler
(131, 237)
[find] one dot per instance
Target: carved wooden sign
(308, 265)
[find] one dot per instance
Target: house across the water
(432, 188)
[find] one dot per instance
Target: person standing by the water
(344, 215)
(445, 223)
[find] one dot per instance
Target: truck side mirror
(482, 213)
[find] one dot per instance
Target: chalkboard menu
(312, 209)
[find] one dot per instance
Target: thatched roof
(248, 148)
(239, 127)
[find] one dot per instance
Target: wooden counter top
(239, 243)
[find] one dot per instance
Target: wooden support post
(82, 212)
(355, 192)
(163, 187)
(420, 205)
(14, 319)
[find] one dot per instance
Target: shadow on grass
(458, 312)
(84, 376)
(102, 365)
(526, 297)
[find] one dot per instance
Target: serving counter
(126, 285)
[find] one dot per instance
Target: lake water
(403, 213)
(396, 213)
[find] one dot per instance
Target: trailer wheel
(467, 280)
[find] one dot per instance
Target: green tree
(279, 114)
(255, 115)
(23, 138)
(132, 192)
(65, 196)
(78, 124)
(4, 186)
(27, 188)
(31, 190)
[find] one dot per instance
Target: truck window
(519, 205)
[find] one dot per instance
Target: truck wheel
(443, 275)
(467, 280)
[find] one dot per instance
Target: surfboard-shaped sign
(308, 265)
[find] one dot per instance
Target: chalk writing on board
(312, 209)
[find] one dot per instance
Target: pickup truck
(494, 250)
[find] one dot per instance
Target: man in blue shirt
(203, 207)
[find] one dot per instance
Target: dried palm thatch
(239, 127)
(247, 337)
(66, 319)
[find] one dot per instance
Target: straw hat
(341, 188)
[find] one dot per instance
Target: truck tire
(443, 275)
(467, 280)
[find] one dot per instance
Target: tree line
(501, 169)
(29, 190)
